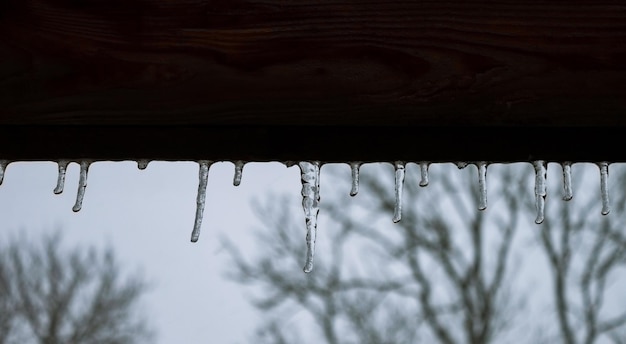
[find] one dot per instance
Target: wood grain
(268, 64)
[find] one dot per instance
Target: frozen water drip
(310, 178)
(397, 211)
(203, 175)
(62, 166)
(541, 171)
(82, 185)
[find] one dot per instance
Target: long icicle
(62, 166)
(310, 178)
(568, 194)
(203, 175)
(541, 170)
(482, 184)
(82, 185)
(238, 172)
(3, 167)
(354, 168)
(424, 173)
(604, 187)
(397, 211)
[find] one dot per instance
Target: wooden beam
(325, 143)
(329, 80)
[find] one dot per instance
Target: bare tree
(441, 274)
(50, 295)
(585, 251)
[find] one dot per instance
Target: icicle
(461, 165)
(238, 172)
(567, 180)
(204, 177)
(310, 178)
(82, 185)
(604, 188)
(142, 164)
(355, 166)
(62, 164)
(424, 172)
(541, 171)
(3, 166)
(482, 184)
(397, 212)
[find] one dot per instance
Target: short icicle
(310, 178)
(238, 172)
(397, 211)
(604, 187)
(461, 165)
(541, 170)
(424, 173)
(142, 164)
(568, 194)
(482, 184)
(3, 167)
(354, 167)
(62, 165)
(203, 175)
(82, 185)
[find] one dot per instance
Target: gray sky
(147, 216)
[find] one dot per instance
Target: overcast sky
(147, 217)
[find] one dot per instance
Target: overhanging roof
(312, 80)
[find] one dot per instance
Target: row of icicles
(310, 178)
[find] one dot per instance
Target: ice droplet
(424, 173)
(142, 164)
(203, 175)
(604, 187)
(62, 165)
(355, 166)
(482, 184)
(461, 165)
(82, 185)
(397, 211)
(238, 172)
(3, 167)
(310, 178)
(567, 180)
(541, 171)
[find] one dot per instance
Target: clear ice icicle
(568, 194)
(82, 185)
(142, 164)
(461, 165)
(3, 167)
(541, 170)
(397, 211)
(482, 184)
(354, 167)
(424, 173)
(604, 187)
(62, 165)
(203, 175)
(238, 172)
(310, 178)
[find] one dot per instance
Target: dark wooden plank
(267, 64)
(326, 62)
(325, 143)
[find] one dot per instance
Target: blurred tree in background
(447, 273)
(52, 295)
